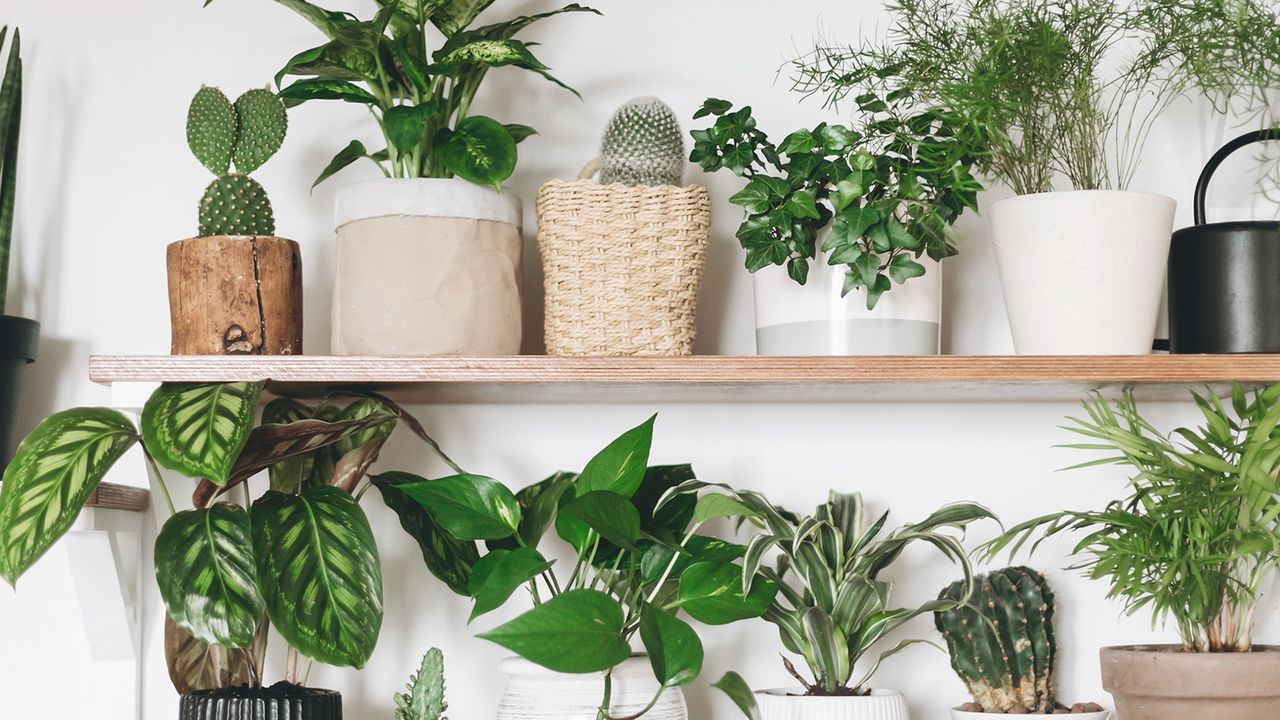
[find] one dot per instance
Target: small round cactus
(643, 145)
(236, 204)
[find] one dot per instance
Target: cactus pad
(643, 145)
(261, 124)
(424, 696)
(211, 129)
(236, 205)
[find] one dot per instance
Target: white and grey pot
(1082, 271)
(426, 267)
(536, 693)
(785, 704)
(812, 319)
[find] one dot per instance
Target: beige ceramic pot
(1161, 682)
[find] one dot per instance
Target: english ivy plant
(637, 565)
(421, 98)
(888, 189)
(300, 558)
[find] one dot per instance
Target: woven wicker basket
(623, 266)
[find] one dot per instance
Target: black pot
(1224, 278)
(281, 701)
(19, 339)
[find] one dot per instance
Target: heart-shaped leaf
(620, 467)
(469, 507)
(479, 149)
(497, 575)
(448, 558)
(712, 593)
(732, 685)
(579, 631)
(675, 652)
(199, 430)
(609, 514)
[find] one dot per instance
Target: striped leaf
(205, 570)
(199, 430)
(192, 667)
(53, 474)
(287, 476)
(319, 572)
(829, 648)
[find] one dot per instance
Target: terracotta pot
(1162, 682)
(785, 704)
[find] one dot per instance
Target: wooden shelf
(119, 497)
(705, 379)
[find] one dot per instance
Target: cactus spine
(1001, 643)
(643, 145)
(232, 140)
(424, 696)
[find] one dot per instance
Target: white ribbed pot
(1083, 271)
(958, 714)
(812, 319)
(426, 267)
(881, 704)
(536, 693)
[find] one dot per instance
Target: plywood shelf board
(119, 497)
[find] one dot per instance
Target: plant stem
(164, 489)
(291, 666)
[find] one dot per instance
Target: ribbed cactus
(643, 145)
(1001, 643)
(424, 699)
(232, 140)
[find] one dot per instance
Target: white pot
(535, 693)
(812, 319)
(958, 714)
(426, 267)
(1083, 271)
(879, 705)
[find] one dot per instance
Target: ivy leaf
(849, 190)
(802, 204)
(798, 270)
(713, 106)
(798, 143)
(868, 267)
(754, 198)
(862, 160)
(902, 268)
(899, 236)
(850, 225)
(877, 288)
(837, 138)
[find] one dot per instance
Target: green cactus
(424, 699)
(643, 145)
(1001, 643)
(232, 140)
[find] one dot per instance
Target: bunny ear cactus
(1001, 642)
(423, 698)
(232, 140)
(643, 145)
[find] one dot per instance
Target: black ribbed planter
(19, 339)
(281, 701)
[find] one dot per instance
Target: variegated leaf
(828, 647)
(199, 430)
(192, 668)
(494, 53)
(53, 473)
(287, 476)
(454, 16)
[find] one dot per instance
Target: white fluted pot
(536, 693)
(881, 704)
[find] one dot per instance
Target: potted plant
(302, 559)
(19, 337)
(635, 565)
(236, 288)
(428, 258)
(1193, 542)
(871, 203)
(832, 608)
(1003, 646)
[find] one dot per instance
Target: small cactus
(1002, 643)
(232, 140)
(643, 145)
(424, 696)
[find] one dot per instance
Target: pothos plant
(300, 558)
(888, 188)
(420, 97)
(637, 566)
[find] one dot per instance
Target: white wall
(107, 181)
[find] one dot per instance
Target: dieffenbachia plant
(637, 565)
(300, 558)
(10, 125)
(421, 98)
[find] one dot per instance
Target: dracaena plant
(418, 90)
(301, 558)
(636, 565)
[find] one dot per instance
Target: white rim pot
(536, 693)
(426, 267)
(786, 704)
(958, 714)
(812, 319)
(1083, 271)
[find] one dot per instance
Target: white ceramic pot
(881, 704)
(535, 693)
(812, 319)
(1083, 271)
(426, 267)
(957, 714)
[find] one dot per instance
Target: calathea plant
(888, 188)
(301, 558)
(637, 565)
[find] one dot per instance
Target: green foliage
(1197, 533)
(199, 429)
(1001, 641)
(10, 126)
(643, 145)
(577, 631)
(423, 698)
(888, 189)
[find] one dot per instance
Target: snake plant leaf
(732, 685)
(674, 650)
(199, 430)
(53, 474)
(205, 571)
(497, 575)
(711, 592)
(448, 558)
(192, 669)
(469, 507)
(621, 466)
(10, 129)
(479, 149)
(579, 631)
(453, 16)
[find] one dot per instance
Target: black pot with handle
(1224, 278)
(19, 339)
